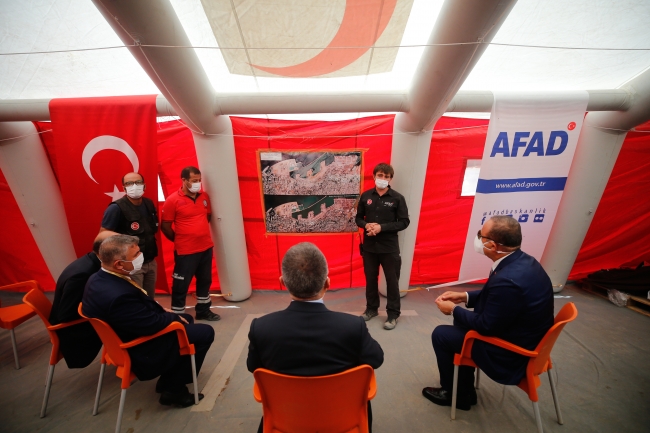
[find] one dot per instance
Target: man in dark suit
(79, 344)
(112, 296)
(307, 339)
(516, 305)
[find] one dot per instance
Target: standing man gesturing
(382, 212)
(189, 211)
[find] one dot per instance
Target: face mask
(381, 183)
(479, 246)
(135, 191)
(137, 264)
(195, 187)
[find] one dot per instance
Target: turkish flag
(97, 141)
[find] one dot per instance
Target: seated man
(516, 305)
(79, 344)
(112, 296)
(307, 339)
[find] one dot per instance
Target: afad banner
(528, 152)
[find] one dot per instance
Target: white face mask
(381, 183)
(479, 246)
(137, 263)
(195, 187)
(134, 191)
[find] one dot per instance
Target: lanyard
(125, 278)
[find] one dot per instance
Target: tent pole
(598, 147)
(439, 75)
(26, 167)
(184, 83)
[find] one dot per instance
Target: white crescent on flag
(107, 142)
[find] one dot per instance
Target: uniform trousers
(186, 266)
(391, 263)
(447, 341)
(179, 373)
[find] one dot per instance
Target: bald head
(100, 238)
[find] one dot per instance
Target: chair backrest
(29, 285)
(36, 299)
(335, 403)
(111, 341)
(567, 314)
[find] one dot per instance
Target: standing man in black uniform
(135, 215)
(382, 212)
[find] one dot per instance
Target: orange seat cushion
(12, 316)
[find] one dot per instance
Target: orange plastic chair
(540, 361)
(327, 404)
(115, 353)
(42, 306)
(14, 315)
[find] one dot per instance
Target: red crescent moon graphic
(357, 30)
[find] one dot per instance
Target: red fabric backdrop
(618, 233)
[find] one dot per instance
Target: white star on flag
(116, 194)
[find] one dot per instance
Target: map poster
(310, 191)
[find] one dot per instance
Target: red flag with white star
(97, 141)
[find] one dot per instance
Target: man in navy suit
(516, 305)
(79, 344)
(112, 296)
(307, 339)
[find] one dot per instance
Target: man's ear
(282, 282)
(115, 265)
(326, 286)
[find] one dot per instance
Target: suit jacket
(79, 344)
(307, 339)
(133, 314)
(516, 305)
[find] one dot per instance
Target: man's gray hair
(304, 270)
(115, 248)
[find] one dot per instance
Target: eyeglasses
(479, 236)
(137, 182)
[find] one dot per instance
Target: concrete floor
(602, 362)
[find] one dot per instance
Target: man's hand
(372, 229)
(179, 316)
(455, 297)
(445, 307)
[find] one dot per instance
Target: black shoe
(369, 314)
(207, 315)
(179, 399)
(443, 398)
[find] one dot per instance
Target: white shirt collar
(496, 263)
(317, 301)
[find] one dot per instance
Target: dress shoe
(179, 399)
(443, 398)
(207, 315)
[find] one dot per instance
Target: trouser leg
(204, 281)
(184, 268)
(371, 270)
(448, 340)
(180, 374)
(391, 264)
(149, 277)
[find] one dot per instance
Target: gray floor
(602, 361)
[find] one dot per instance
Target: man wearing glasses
(136, 215)
(515, 305)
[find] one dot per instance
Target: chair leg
(194, 381)
(555, 399)
(99, 389)
(454, 393)
(538, 417)
(15, 347)
(120, 412)
(48, 385)
(478, 377)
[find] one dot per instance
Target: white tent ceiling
(68, 25)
